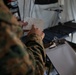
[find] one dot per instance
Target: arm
(15, 57)
(35, 46)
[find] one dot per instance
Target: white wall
(38, 11)
(29, 9)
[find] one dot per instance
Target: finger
(43, 35)
(33, 26)
(25, 24)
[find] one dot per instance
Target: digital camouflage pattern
(15, 57)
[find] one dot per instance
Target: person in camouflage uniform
(17, 58)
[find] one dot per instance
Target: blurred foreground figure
(15, 57)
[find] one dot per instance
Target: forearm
(35, 46)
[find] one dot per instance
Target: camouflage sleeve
(15, 57)
(35, 47)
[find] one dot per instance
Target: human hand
(36, 31)
(22, 24)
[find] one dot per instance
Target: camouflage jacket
(15, 57)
